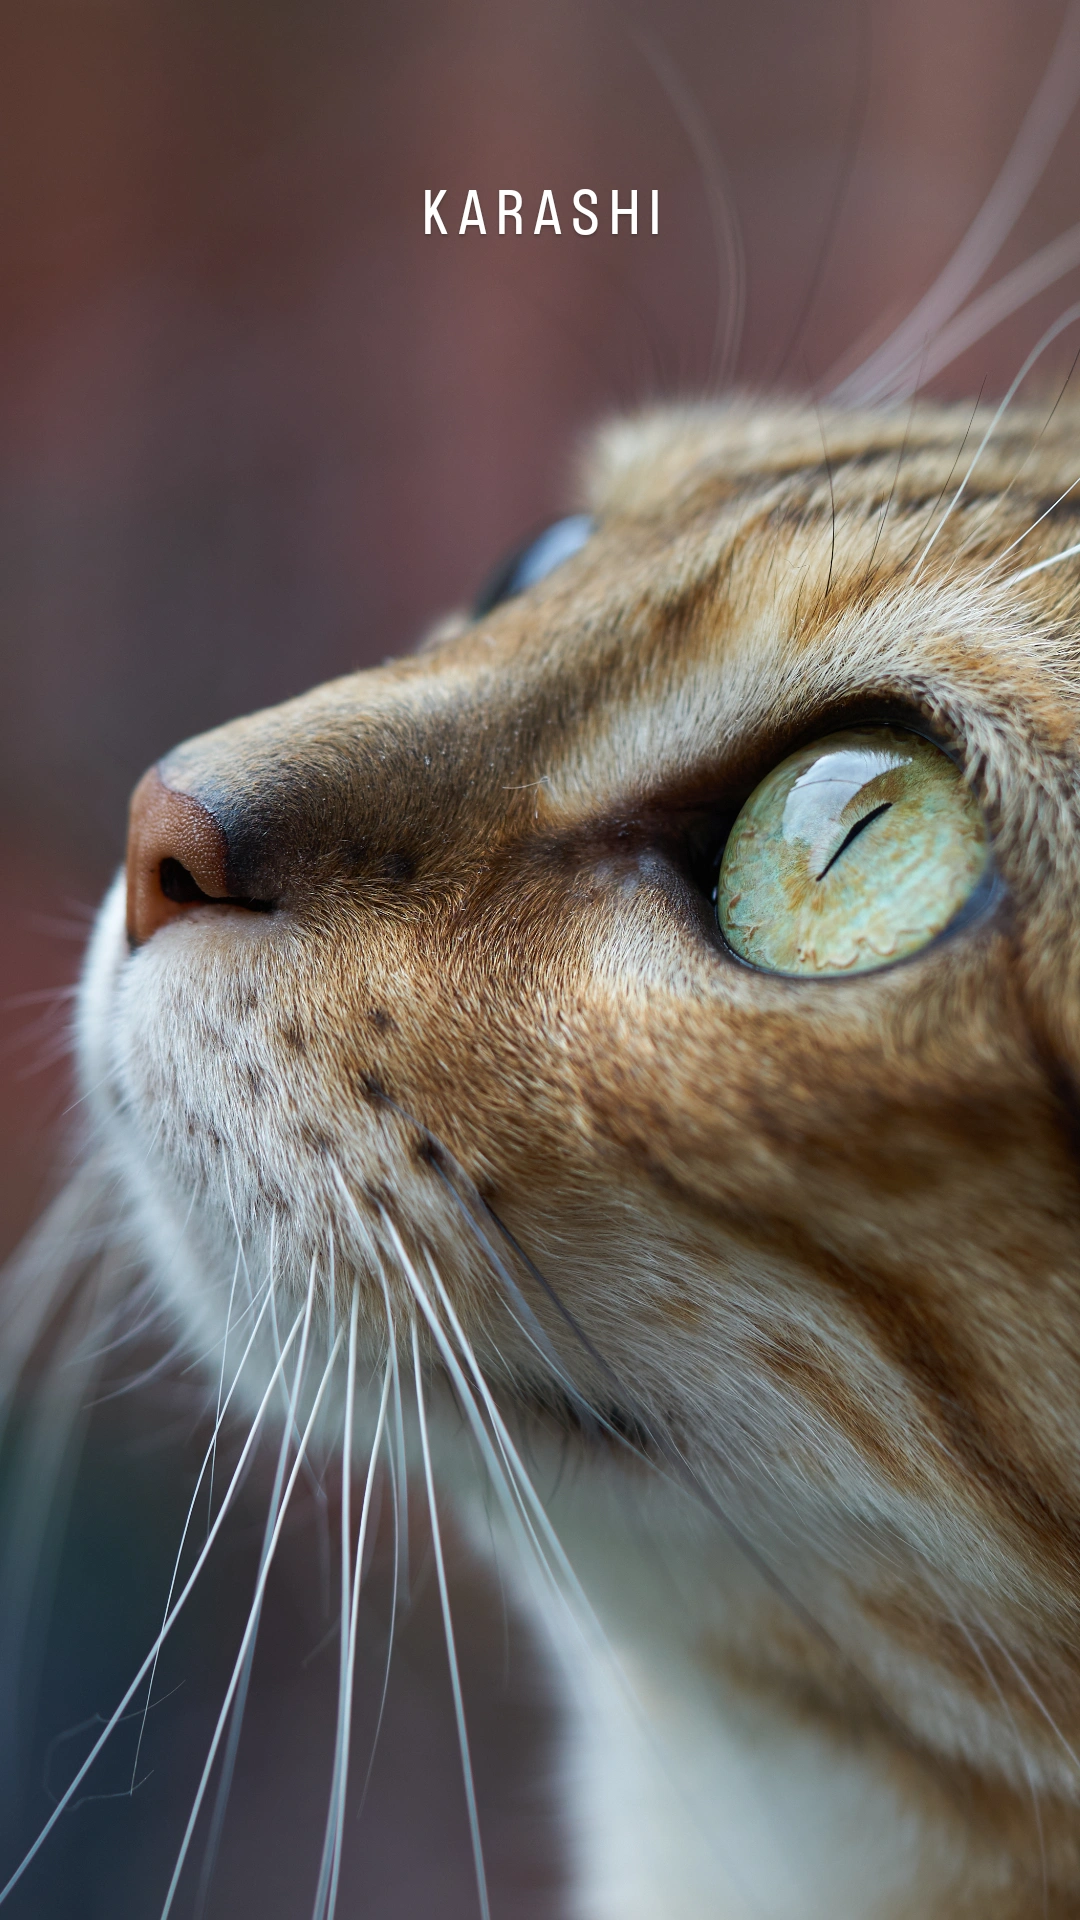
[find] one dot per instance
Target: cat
(620, 1066)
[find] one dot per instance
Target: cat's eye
(534, 561)
(852, 853)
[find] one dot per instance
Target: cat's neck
(697, 1787)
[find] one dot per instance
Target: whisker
(344, 1689)
(1063, 320)
(1067, 553)
(400, 1477)
(223, 1408)
(312, 1479)
(515, 1489)
(330, 1873)
(115, 1717)
(1025, 1758)
(502, 1476)
(448, 1630)
(1033, 444)
(1039, 132)
(1033, 1695)
(242, 1251)
(517, 1494)
(221, 1384)
(884, 514)
(439, 1159)
(727, 233)
(35, 998)
(1021, 537)
(850, 144)
(1006, 296)
(228, 1765)
(392, 1467)
(691, 1481)
(241, 1664)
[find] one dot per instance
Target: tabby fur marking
(821, 1239)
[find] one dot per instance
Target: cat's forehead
(758, 571)
(668, 460)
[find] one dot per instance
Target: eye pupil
(853, 834)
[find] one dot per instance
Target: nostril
(177, 884)
(177, 858)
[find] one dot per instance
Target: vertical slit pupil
(853, 834)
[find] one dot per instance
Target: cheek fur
(452, 1046)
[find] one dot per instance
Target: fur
(809, 1251)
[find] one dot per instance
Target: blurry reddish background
(257, 429)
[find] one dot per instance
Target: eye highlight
(852, 853)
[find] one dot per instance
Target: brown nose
(176, 857)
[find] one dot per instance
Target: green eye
(852, 853)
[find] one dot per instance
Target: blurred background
(257, 429)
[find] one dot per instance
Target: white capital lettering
(620, 213)
(508, 212)
(655, 210)
(580, 197)
(475, 218)
(550, 218)
(431, 210)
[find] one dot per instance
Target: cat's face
(821, 1232)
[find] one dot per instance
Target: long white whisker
(1066, 553)
(727, 232)
(1021, 1749)
(503, 1473)
(116, 1716)
(448, 1630)
(325, 1866)
(223, 1408)
(1011, 292)
(401, 1486)
(581, 1613)
(232, 1210)
(520, 1311)
(1033, 1695)
(1064, 320)
(336, 1822)
(514, 1487)
(1039, 132)
(1021, 537)
(521, 1480)
(392, 1466)
(221, 1798)
(221, 1386)
(249, 1631)
(511, 1481)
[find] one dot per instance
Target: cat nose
(176, 857)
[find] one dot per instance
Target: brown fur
(825, 1234)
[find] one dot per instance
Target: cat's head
(480, 953)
